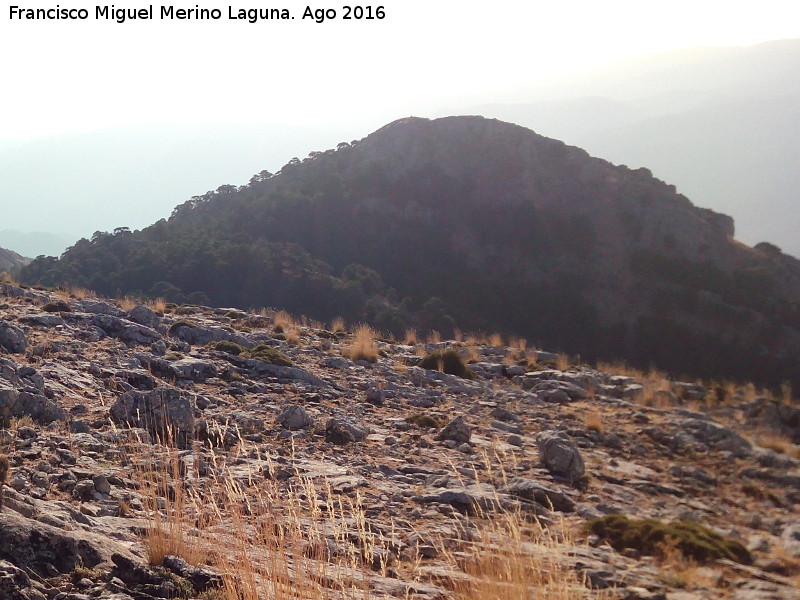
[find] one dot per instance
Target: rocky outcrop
(399, 467)
(166, 413)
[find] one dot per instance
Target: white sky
(61, 76)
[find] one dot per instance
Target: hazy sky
(64, 76)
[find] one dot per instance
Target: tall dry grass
(363, 346)
(301, 540)
(337, 325)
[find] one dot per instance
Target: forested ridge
(477, 223)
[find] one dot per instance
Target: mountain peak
(478, 223)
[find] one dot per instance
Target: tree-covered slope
(479, 223)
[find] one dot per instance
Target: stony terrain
(88, 390)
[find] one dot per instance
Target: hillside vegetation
(10, 260)
(477, 223)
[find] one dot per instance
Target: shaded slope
(476, 222)
(11, 260)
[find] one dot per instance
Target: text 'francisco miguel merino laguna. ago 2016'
(171, 12)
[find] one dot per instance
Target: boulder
(98, 307)
(16, 585)
(457, 430)
(49, 551)
(560, 455)
(165, 413)
(340, 431)
(143, 315)
(16, 403)
(539, 492)
(195, 369)
(12, 338)
(295, 417)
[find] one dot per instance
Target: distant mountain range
(477, 223)
(129, 176)
(722, 124)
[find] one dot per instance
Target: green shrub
(648, 535)
(448, 361)
(269, 355)
(229, 347)
(181, 323)
(57, 306)
(424, 421)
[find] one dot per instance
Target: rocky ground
(93, 397)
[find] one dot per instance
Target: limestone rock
(163, 412)
(12, 338)
(143, 315)
(457, 430)
(560, 454)
(295, 417)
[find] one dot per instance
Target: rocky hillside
(186, 452)
(11, 260)
(476, 223)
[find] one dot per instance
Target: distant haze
(722, 124)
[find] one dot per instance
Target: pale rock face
(457, 430)
(165, 413)
(12, 338)
(560, 455)
(295, 417)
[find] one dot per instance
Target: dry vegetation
(305, 541)
(337, 325)
(363, 346)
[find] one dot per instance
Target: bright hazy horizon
(73, 76)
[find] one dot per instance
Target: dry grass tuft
(363, 346)
(773, 440)
(434, 337)
(337, 325)
(6, 277)
(411, 337)
(507, 558)
(562, 361)
(74, 292)
(282, 321)
(157, 305)
(593, 421)
(496, 340)
(127, 303)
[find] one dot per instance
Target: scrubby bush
(261, 352)
(423, 421)
(648, 536)
(182, 323)
(229, 347)
(448, 361)
(269, 355)
(57, 306)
